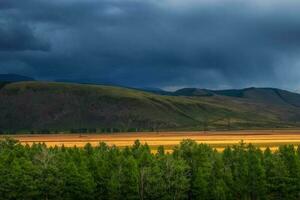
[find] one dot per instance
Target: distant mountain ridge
(265, 95)
(14, 78)
(246, 93)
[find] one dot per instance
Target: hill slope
(38, 106)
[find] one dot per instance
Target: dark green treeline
(192, 171)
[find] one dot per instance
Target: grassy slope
(61, 106)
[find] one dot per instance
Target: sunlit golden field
(219, 140)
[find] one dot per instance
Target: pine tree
(256, 174)
(217, 180)
(239, 172)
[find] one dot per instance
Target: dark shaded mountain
(27, 106)
(193, 92)
(263, 95)
(154, 90)
(14, 78)
(151, 89)
(86, 81)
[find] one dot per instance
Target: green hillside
(45, 106)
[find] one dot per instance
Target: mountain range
(35, 106)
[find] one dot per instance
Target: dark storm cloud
(167, 43)
(19, 37)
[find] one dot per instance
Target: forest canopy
(191, 171)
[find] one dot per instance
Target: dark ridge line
(286, 101)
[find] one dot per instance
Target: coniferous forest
(191, 171)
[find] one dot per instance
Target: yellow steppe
(217, 139)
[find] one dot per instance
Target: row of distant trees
(152, 127)
(192, 171)
(103, 130)
(81, 130)
(155, 126)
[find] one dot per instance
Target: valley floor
(218, 140)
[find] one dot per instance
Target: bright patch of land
(218, 139)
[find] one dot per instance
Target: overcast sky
(154, 43)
